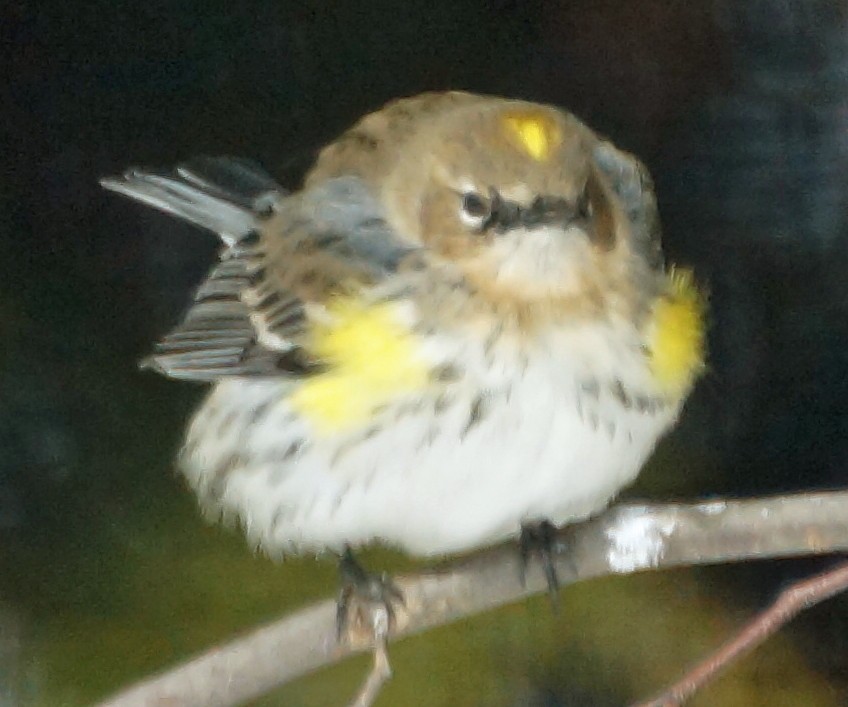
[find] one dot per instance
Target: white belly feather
(441, 472)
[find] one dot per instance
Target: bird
(459, 325)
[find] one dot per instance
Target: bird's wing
(281, 253)
(631, 181)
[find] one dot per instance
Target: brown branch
(794, 599)
(623, 540)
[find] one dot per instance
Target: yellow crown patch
(537, 133)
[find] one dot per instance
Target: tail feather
(226, 195)
(237, 179)
(217, 337)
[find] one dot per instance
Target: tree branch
(792, 600)
(623, 540)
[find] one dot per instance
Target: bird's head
(524, 199)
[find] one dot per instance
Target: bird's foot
(540, 540)
(367, 603)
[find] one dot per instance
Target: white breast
(446, 471)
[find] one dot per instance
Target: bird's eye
(474, 205)
(476, 209)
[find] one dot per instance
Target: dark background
(106, 570)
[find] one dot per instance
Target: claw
(366, 602)
(540, 539)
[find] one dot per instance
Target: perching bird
(461, 324)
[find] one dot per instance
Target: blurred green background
(107, 572)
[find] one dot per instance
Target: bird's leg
(367, 603)
(366, 613)
(540, 539)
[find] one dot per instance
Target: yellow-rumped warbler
(461, 324)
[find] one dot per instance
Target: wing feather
(280, 253)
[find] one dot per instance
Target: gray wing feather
(242, 321)
(351, 219)
(631, 180)
(217, 338)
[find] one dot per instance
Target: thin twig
(379, 675)
(791, 601)
(371, 617)
(623, 540)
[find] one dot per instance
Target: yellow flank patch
(678, 333)
(536, 132)
(371, 358)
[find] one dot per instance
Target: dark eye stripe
(544, 209)
(502, 215)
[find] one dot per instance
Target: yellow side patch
(677, 334)
(371, 358)
(536, 132)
